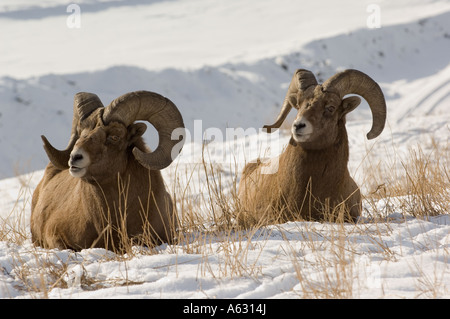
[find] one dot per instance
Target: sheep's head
(322, 108)
(102, 139)
(102, 149)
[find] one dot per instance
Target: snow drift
(224, 87)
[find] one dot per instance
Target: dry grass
(417, 185)
(14, 227)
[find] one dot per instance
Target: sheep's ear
(350, 103)
(135, 131)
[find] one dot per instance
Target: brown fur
(117, 203)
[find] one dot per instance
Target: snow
(226, 65)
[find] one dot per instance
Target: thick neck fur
(324, 168)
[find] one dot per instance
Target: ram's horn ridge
(84, 104)
(357, 82)
(157, 110)
(301, 80)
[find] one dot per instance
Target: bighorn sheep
(312, 181)
(105, 189)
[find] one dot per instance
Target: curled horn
(161, 113)
(84, 104)
(356, 82)
(301, 80)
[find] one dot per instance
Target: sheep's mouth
(301, 137)
(76, 171)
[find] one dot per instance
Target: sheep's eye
(330, 108)
(113, 138)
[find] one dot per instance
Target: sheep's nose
(299, 125)
(75, 158)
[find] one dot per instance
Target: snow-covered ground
(226, 64)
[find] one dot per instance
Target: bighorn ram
(312, 181)
(106, 187)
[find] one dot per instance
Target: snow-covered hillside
(227, 64)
